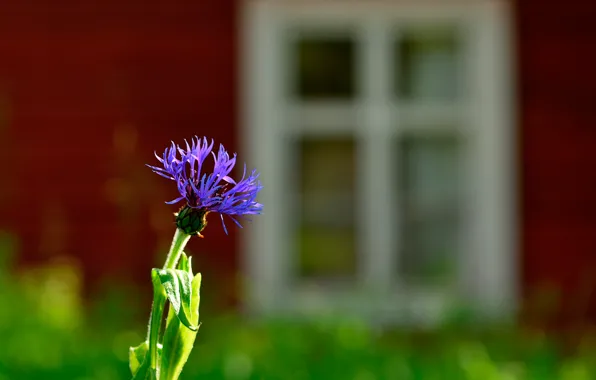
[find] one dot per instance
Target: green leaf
(140, 362)
(196, 298)
(184, 262)
(189, 265)
(178, 288)
(143, 370)
(178, 340)
(136, 356)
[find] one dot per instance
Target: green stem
(178, 243)
(159, 297)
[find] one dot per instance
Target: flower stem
(178, 243)
(159, 298)
(157, 309)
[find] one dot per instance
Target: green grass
(46, 332)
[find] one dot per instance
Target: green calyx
(191, 221)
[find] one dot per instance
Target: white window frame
(488, 271)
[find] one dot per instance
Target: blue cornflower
(206, 192)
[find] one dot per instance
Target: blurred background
(430, 207)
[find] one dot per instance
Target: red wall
(90, 89)
(557, 79)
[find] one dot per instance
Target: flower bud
(191, 220)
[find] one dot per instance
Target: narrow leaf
(196, 298)
(184, 262)
(143, 370)
(178, 340)
(141, 355)
(190, 266)
(177, 285)
(136, 356)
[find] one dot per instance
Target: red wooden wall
(88, 90)
(557, 82)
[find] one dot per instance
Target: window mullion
(377, 261)
(264, 261)
(491, 262)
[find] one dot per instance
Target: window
(384, 136)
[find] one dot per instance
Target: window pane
(430, 205)
(325, 68)
(326, 236)
(428, 65)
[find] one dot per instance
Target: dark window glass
(430, 206)
(428, 65)
(325, 68)
(326, 228)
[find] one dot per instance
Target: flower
(207, 192)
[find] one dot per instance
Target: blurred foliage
(48, 332)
